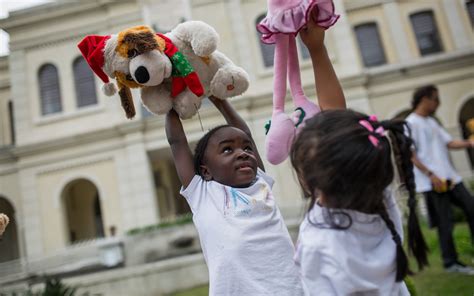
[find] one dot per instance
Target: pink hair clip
(372, 136)
(373, 118)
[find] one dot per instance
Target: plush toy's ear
(127, 100)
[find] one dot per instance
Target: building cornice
(360, 4)
(47, 12)
(44, 13)
(422, 66)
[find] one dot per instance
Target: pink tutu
(294, 16)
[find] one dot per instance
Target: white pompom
(109, 89)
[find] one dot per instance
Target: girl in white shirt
(244, 239)
(350, 242)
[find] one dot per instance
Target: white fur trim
(109, 89)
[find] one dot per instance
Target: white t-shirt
(431, 142)
(244, 239)
(360, 260)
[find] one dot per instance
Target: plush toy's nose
(142, 75)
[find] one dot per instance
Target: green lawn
(432, 281)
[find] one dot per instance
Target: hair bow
(373, 132)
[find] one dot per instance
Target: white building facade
(72, 168)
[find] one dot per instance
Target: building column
(136, 186)
(399, 36)
(31, 214)
(342, 38)
(19, 94)
(244, 53)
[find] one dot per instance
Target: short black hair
(424, 91)
(201, 146)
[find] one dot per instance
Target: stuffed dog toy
(173, 70)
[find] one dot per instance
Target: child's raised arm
(328, 88)
(183, 158)
(233, 118)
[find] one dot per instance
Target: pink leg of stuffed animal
(304, 107)
(282, 129)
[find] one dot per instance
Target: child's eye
(248, 149)
(226, 150)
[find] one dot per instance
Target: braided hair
(201, 146)
(352, 166)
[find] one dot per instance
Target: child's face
(230, 158)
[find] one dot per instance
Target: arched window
(470, 10)
(466, 122)
(426, 32)
(82, 210)
(9, 244)
(370, 45)
(267, 50)
(50, 94)
(84, 83)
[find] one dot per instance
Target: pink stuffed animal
(285, 18)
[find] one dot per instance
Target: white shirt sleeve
(269, 180)
(445, 136)
(413, 134)
(194, 192)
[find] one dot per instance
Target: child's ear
(205, 173)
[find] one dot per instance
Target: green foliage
(53, 287)
(181, 220)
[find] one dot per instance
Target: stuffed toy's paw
(151, 102)
(186, 104)
(229, 81)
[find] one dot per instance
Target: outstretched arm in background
(328, 88)
(233, 118)
(183, 158)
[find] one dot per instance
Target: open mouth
(245, 166)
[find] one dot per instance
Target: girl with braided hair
(350, 242)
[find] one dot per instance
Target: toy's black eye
(132, 53)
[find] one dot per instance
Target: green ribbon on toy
(182, 73)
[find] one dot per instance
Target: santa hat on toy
(92, 48)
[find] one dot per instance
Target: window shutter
(84, 83)
(426, 33)
(470, 11)
(370, 45)
(49, 90)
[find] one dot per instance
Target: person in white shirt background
(435, 175)
(350, 241)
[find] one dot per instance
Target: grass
(432, 281)
(199, 291)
